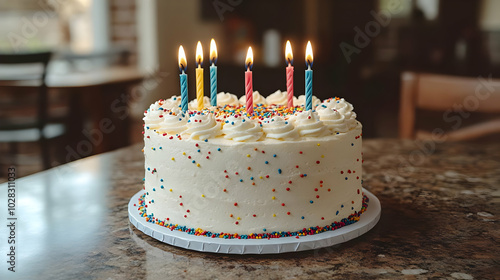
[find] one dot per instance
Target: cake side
(281, 170)
(252, 187)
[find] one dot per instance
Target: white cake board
(257, 246)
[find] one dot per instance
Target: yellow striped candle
(199, 76)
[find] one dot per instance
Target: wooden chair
(24, 119)
(442, 93)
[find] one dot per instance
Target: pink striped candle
(249, 82)
(289, 74)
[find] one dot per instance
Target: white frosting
(203, 126)
(301, 101)
(157, 106)
(344, 108)
(332, 119)
(153, 116)
(278, 98)
(193, 105)
(278, 128)
(174, 122)
(309, 125)
(283, 175)
(172, 102)
(253, 187)
(242, 129)
(257, 99)
(224, 98)
(332, 116)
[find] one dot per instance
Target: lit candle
(199, 76)
(289, 73)
(309, 76)
(248, 81)
(183, 79)
(213, 73)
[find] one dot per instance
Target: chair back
(442, 93)
(41, 58)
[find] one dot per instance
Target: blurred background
(77, 75)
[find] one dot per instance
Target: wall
(179, 22)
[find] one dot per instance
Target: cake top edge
(271, 118)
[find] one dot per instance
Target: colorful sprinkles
(264, 235)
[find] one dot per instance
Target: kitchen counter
(440, 210)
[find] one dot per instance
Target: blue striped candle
(213, 85)
(183, 79)
(213, 73)
(184, 91)
(309, 76)
(309, 88)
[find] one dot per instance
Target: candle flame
(249, 59)
(309, 54)
(199, 54)
(182, 59)
(288, 53)
(213, 52)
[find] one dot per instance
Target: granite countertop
(439, 220)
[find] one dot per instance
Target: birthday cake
(279, 172)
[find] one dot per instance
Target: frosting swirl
(257, 99)
(301, 101)
(172, 102)
(344, 108)
(153, 115)
(203, 126)
(239, 128)
(308, 124)
(333, 120)
(225, 98)
(334, 115)
(193, 105)
(174, 122)
(280, 129)
(278, 98)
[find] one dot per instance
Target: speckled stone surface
(439, 220)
